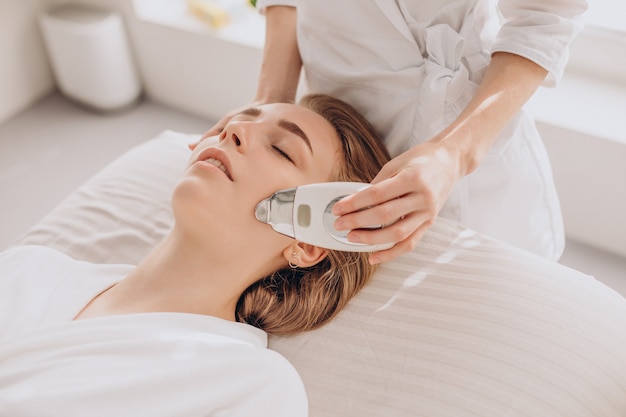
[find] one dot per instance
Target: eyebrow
(295, 129)
(284, 124)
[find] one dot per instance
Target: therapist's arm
(412, 188)
(280, 68)
(508, 84)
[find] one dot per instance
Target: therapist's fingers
(397, 231)
(380, 214)
(407, 232)
(400, 248)
(371, 196)
(386, 201)
(215, 130)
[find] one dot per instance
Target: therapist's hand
(406, 196)
(217, 128)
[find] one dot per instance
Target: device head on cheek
(305, 214)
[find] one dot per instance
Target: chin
(207, 210)
(193, 199)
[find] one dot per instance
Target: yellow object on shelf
(210, 11)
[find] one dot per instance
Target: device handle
(313, 219)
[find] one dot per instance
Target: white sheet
(154, 364)
(157, 365)
(462, 326)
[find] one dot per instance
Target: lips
(217, 158)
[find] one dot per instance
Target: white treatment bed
(463, 326)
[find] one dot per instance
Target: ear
(308, 255)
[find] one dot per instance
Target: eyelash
(282, 153)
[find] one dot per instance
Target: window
(246, 26)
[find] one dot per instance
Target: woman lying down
(184, 333)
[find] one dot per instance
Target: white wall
(25, 75)
(590, 175)
(194, 72)
(583, 124)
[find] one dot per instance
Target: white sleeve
(540, 30)
(261, 5)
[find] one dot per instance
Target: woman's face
(260, 151)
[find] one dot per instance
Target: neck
(180, 275)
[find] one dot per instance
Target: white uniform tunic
(152, 364)
(411, 67)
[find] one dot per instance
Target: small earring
(292, 264)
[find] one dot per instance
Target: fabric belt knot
(445, 80)
(445, 73)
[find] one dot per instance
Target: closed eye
(282, 153)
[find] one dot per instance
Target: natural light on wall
(607, 14)
(592, 95)
(233, 20)
(600, 50)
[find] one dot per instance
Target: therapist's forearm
(509, 82)
(280, 70)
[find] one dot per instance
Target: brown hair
(295, 300)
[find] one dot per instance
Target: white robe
(152, 364)
(412, 66)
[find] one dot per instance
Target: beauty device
(305, 214)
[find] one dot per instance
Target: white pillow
(462, 326)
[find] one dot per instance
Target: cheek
(268, 175)
(199, 202)
(227, 219)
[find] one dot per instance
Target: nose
(235, 134)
